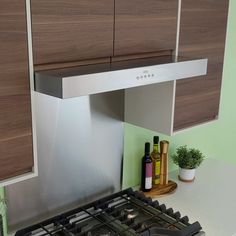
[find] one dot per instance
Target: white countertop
(210, 199)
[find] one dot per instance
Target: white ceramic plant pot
(187, 175)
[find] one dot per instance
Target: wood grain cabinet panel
(143, 26)
(202, 34)
(16, 156)
(71, 30)
(15, 117)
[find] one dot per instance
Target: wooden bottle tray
(162, 190)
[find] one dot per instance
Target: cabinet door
(72, 30)
(15, 114)
(143, 26)
(202, 34)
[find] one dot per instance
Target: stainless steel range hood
(98, 78)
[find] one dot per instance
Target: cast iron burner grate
(125, 213)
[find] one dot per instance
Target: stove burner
(129, 209)
(132, 215)
(130, 212)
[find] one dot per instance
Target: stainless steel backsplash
(80, 150)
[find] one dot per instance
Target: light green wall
(2, 209)
(216, 140)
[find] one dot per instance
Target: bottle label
(156, 174)
(148, 176)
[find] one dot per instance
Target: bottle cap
(156, 139)
(147, 147)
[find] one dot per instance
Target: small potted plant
(188, 159)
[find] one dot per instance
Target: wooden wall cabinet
(202, 34)
(71, 30)
(145, 26)
(16, 154)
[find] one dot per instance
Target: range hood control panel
(146, 75)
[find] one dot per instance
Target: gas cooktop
(125, 213)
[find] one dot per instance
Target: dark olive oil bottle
(146, 182)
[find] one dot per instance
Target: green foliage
(187, 158)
